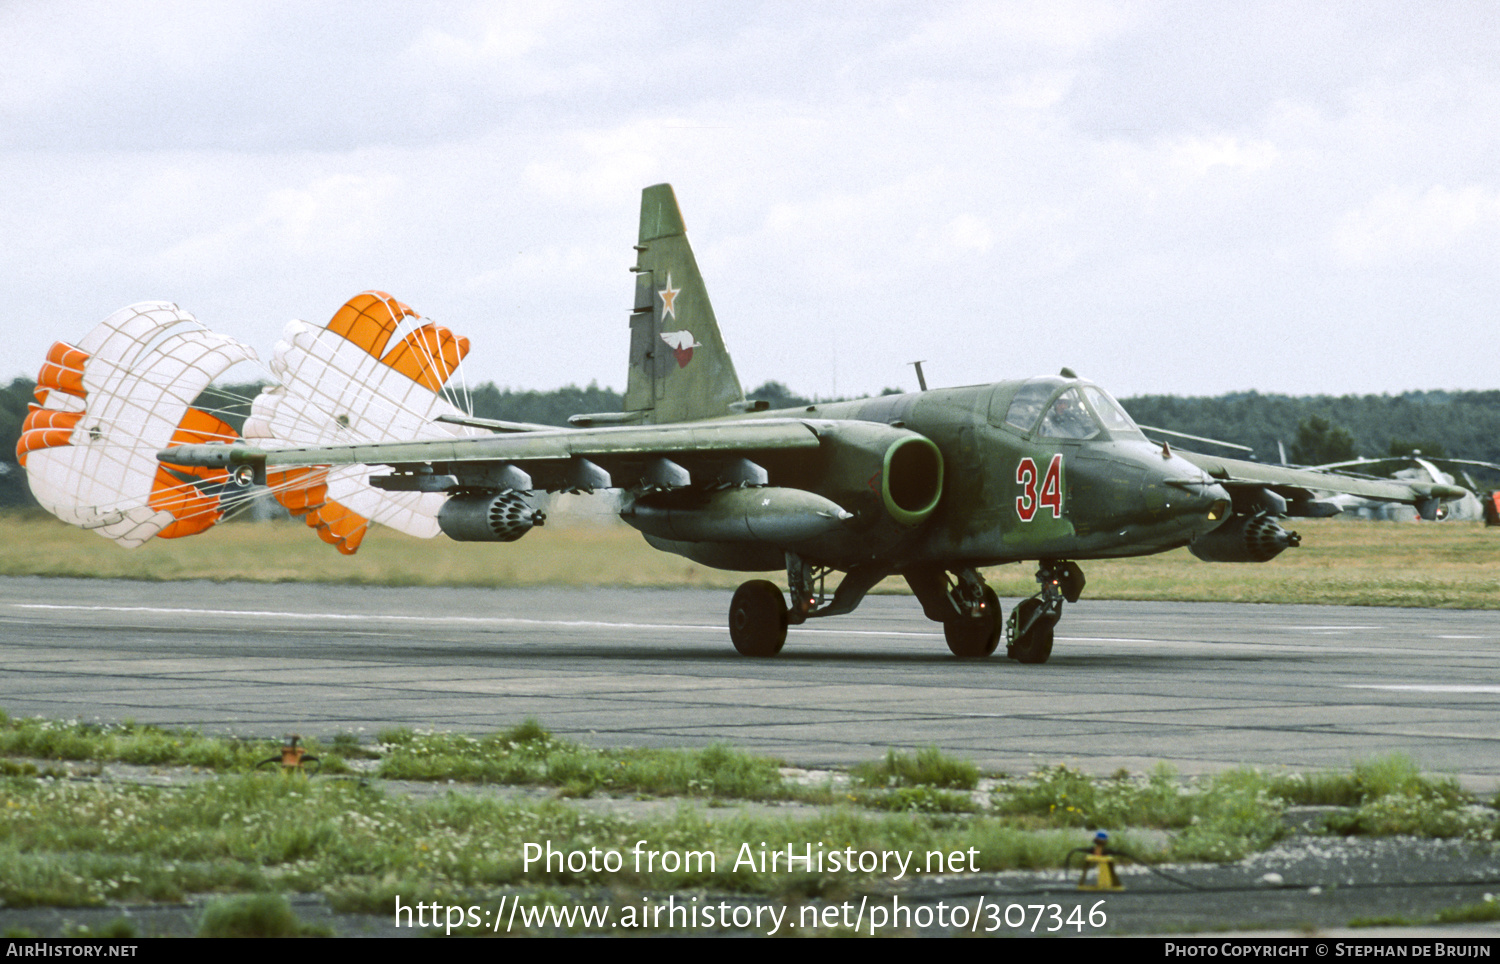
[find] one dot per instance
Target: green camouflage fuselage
(1110, 494)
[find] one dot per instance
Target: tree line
(1317, 429)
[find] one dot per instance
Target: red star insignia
(669, 297)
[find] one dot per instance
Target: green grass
(1482, 912)
(76, 844)
(585, 555)
(1227, 815)
(1389, 796)
(927, 767)
(1442, 565)
(118, 929)
(926, 781)
(1387, 920)
(528, 755)
(136, 743)
(254, 915)
(1369, 780)
(1217, 818)
(917, 800)
(1064, 797)
(83, 843)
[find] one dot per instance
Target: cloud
(998, 187)
(1403, 225)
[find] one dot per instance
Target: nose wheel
(1028, 633)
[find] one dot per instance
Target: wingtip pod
(107, 404)
(1439, 490)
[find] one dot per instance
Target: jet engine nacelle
(488, 517)
(889, 478)
(891, 472)
(1245, 538)
(867, 490)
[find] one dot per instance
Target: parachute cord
(458, 398)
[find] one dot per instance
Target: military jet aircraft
(933, 486)
(1466, 508)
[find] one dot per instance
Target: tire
(975, 637)
(757, 619)
(1036, 645)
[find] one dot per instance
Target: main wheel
(1035, 645)
(757, 619)
(975, 637)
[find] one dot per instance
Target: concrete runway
(1202, 686)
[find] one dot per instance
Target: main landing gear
(758, 619)
(975, 635)
(958, 598)
(759, 614)
(966, 606)
(1028, 634)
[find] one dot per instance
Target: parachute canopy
(108, 404)
(373, 374)
(104, 408)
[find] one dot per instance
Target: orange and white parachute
(106, 406)
(373, 374)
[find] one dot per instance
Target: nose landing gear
(1028, 633)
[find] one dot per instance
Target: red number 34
(1051, 495)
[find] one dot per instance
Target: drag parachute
(373, 374)
(106, 406)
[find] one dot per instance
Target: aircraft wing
(1408, 460)
(1300, 488)
(558, 458)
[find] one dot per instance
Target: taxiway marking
(1427, 687)
(429, 620)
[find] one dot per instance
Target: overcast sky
(1168, 197)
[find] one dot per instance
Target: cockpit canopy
(1063, 408)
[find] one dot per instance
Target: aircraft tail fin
(679, 368)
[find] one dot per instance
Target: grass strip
(138, 744)
(75, 843)
(528, 755)
(1453, 565)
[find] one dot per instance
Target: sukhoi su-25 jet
(932, 486)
